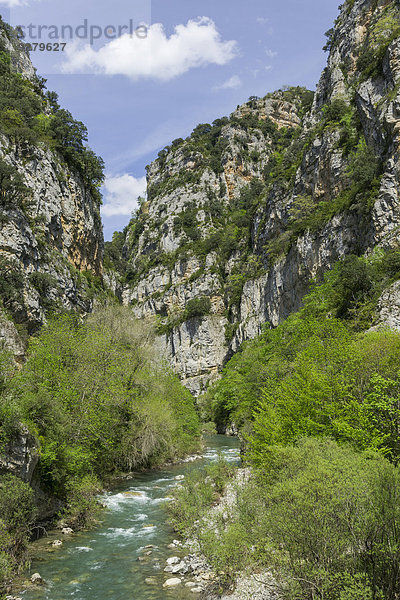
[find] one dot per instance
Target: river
(103, 563)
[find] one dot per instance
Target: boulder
(174, 581)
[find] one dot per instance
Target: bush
(197, 307)
(13, 191)
(83, 506)
(17, 514)
(323, 505)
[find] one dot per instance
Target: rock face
(21, 456)
(248, 211)
(51, 232)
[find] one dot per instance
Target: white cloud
(157, 56)
(13, 3)
(270, 53)
(232, 83)
(121, 194)
(262, 20)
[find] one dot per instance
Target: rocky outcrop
(184, 243)
(388, 308)
(21, 456)
(51, 240)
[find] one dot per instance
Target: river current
(103, 563)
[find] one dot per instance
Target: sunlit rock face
(49, 237)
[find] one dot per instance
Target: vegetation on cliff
(30, 115)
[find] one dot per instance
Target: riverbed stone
(180, 568)
(173, 560)
(37, 579)
(67, 531)
(56, 543)
(174, 581)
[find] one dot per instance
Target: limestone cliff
(241, 215)
(51, 240)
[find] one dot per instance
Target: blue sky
(136, 95)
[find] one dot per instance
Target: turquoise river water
(103, 563)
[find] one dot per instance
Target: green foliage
(336, 110)
(325, 518)
(44, 283)
(363, 174)
(97, 401)
(197, 307)
(380, 35)
(17, 514)
(11, 285)
(83, 507)
(329, 40)
(312, 375)
(24, 118)
(113, 253)
(13, 191)
(186, 221)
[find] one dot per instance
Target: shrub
(17, 514)
(197, 307)
(323, 506)
(13, 191)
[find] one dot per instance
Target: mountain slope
(241, 215)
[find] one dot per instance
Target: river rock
(37, 579)
(174, 581)
(173, 560)
(180, 568)
(179, 477)
(56, 543)
(67, 531)
(196, 590)
(190, 584)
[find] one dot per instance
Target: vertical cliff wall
(51, 241)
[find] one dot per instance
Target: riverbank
(213, 584)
